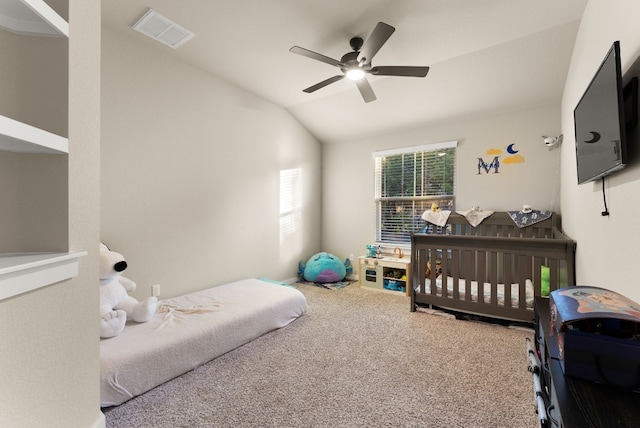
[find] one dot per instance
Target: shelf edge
(20, 137)
(25, 272)
(17, 16)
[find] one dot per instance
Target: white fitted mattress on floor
(190, 330)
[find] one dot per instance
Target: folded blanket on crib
(439, 218)
(475, 215)
(522, 219)
(462, 287)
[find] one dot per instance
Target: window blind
(290, 203)
(407, 182)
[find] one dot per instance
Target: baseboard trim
(100, 422)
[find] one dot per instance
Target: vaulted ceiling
(484, 56)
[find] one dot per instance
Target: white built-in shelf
(19, 137)
(37, 18)
(32, 17)
(22, 272)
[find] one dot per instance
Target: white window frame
(414, 204)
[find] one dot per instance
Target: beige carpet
(359, 358)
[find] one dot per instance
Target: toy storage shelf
(388, 274)
(23, 272)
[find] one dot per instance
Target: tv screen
(600, 123)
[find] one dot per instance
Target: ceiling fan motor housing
(350, 61)
(356, 43)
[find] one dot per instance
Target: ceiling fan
(356, 64)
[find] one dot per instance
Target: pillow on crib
(545, 280)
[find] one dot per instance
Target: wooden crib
(477, 262)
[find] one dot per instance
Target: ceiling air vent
(162, 29)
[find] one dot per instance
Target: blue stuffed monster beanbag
(324, 267)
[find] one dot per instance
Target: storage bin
(597, 333)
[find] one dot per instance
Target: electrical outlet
(155, 290)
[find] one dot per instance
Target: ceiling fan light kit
(356, 64)
(355, 73)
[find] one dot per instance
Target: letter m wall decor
(487, 167)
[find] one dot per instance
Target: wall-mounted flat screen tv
(599, 119)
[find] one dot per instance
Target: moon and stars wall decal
(513, 159)
(492, 165)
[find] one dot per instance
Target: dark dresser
(572, 402)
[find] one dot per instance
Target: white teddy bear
(115, 304)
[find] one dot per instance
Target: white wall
(190, 174)
(49, 361)
(348, 191)
(607, 253)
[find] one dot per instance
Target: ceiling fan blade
(399, 70)
(365, 90)
(314, 55)
(323, 83)
(372, 45)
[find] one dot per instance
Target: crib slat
(554, 275)
(481, 272)
(537, 276)
(494, 277)
(522, 280)
(422, 268)
(445, 272)
(508, 277)
(455, 273)
(433, 256)
(469, 269)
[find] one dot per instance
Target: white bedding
(190, 330)
(515, 291)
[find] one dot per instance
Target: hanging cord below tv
(604, 198)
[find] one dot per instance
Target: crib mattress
(462, 287)
(190, 330)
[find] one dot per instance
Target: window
(407, 182)
(290, 203)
